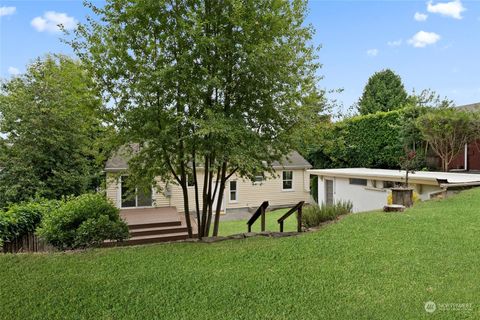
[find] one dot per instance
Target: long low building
(368, 189)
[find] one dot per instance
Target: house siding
(249, 195)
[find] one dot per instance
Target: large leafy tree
(384, 92)
(447, 130)
(49, 142)
(203, 85)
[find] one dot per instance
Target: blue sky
(429, 44)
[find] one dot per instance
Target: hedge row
(372, 141)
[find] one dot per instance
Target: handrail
(297, 207)
(260, 212)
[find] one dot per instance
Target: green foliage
(82, 222)
(314, 215)
(214, 84)
(383, 92)
(23, 218)
(447, 131)
(50, 132)
(371, 141)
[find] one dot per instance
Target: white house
(368, 189)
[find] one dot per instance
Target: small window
(233, 191)
(258, 179)
(388, 184)
(287, 180)
(358, 182)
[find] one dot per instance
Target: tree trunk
(218, 209)
(186, 208)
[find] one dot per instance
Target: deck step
(157, 238)
(157, 231)
(163, 224)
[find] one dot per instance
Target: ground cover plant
(366, 266)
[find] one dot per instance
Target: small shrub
(314, 215)
(84, 221)
(23, 218)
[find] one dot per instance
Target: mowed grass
(240, 226)
(366, 266)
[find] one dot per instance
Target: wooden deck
(136, 216)
(150, 225)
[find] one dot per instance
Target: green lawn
(366, 266)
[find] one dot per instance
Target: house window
(358, 182)
(287, 180)
(134, 197)
(233, 191)
(258, 179)
(388, 184)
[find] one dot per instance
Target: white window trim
(258, 183)
(291, 189)
(119, 198)
(230, 192)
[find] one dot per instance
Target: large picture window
(134, 197)
(287, 180)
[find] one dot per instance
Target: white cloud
(372, 52)
(6, 11)
(13, 71)
(51, 20)
(420, 16)
(422, 39)
(395, 43)
(451, 9)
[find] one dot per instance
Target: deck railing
(259, 213)
(298, 208)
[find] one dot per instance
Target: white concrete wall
(365, 198)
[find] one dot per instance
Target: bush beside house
(77, 222)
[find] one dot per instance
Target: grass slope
(367, 266)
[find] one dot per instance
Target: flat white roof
(424, 177)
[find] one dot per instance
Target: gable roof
(119, 161)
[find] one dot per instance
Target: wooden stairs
(153, 225)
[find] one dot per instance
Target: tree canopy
(203, 85)
(384, 92)
(447, 131)
(49, 131)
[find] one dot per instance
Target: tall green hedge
(371, 141)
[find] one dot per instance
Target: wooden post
(281, 226)
(263, 219)
(299, 219)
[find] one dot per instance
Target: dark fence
(28, 243)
